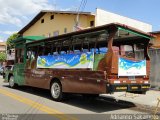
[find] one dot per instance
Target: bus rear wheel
(56, 91)
(11, 82)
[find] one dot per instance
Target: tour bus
(99, 60)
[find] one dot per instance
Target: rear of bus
(128, 62)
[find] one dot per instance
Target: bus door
(19, 66)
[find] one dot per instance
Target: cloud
(8, 32)
(15, 11)
(1, 39)
(72, 8)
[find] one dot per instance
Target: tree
(2, 56)
(9, 42)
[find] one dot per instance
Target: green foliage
(2, 56)
(9, 42)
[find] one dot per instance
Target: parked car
(1, 70)
(7, 69)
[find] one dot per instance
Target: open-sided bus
(92, 61)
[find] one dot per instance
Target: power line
(80, 6)
(79, 10)
(84, 5)
(54, 4)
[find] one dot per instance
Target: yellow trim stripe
(38, 106)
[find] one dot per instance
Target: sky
(15, 14)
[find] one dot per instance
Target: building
(156, 41)
(52, 23)
(2, 46)
(11, 54)
(2, 49)
(104, 17)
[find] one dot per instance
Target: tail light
(145, 78)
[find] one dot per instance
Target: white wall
(12, 55)
(2, 48)
(104, 17)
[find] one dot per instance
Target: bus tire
(11, 82)
(56, 91)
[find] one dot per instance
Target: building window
(56, 33)
(52, 17)
(91, 23)
(42, 20)
(65, 30)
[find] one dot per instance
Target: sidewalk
(149, 99)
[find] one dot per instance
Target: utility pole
(79, 10)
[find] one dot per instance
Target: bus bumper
(128, 87)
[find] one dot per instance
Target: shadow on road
(99, 105)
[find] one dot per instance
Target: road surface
(36, 104)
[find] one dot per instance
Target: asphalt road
(32, 103)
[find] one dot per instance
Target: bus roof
(111, 26)
(28, 39)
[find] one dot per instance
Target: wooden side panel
(84, 82)
(73, 81)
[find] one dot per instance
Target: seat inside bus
(77, 51)
(103, 50)
(55, 53)
(95, 50)
(85, 50)
(62, 52)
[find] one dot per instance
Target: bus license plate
(131, 77)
